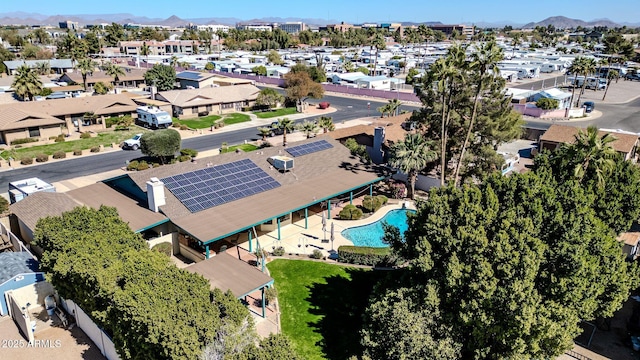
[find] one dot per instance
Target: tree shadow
(341, 302)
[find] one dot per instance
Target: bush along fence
(372, 256)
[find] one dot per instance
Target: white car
(133, 143)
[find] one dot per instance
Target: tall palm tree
(611, 75)
(308, 127)
(85, 66)
(394, 106)
(576, 68)
(115, 71)
(593, 154)
(144, 51)
(410, 156)
(174, 61)
(484, 63)
(588, 68)
(287, 126)
(42, 68)
(26, 83)
(326, 124)
(264, 132)
(379, 44)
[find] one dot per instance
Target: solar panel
(309, 148)
(188, 75)
(205, 188)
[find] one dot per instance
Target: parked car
(635, 76)
(133, 143)
(588, 106)
(324, 105)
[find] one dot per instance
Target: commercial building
(291, 27)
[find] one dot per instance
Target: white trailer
(153, 117)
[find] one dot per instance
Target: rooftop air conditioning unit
(282, 163)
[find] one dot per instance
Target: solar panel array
(189, 75)
(309, 148)
(205, 188)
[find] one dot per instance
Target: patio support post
(328, 209)
(306, 218)
(206, 248)
(264, 315)
(250, 242)
(278, 228)
(371, 190)
(350, 197)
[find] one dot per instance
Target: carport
(226, 272)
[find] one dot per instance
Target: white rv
(153, 117)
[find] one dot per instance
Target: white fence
(18, 245)
(99, 337)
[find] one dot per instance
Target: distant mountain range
(24, 18)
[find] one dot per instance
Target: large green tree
(269, 98)
(161, 144)
(26, 83)
(299, 87)
(162, 76)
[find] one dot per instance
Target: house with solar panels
(231, 199)
(195, 79)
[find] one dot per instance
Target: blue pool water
(371, 234)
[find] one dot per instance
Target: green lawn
(236, 118)
(243, 147)
(199, 123)
(321, 306)
(208, 121)
(106, 139)
(275, 113)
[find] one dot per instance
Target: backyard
(207, 122)
(105, 139)
(275, 113)
(321, 306)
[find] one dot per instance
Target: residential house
(17, 271)
(43, 119)
(563, 98)
(212, 100)
(57, 66)
(195, 79)
(374, 82)
(557, 135)
(132, 78)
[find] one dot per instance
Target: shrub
(279, 251)
(42, 158)
(59, 154)
(4, 205)
(110, 121)
(59, 138)
(23, 141)
(184, 127)
(143, 165)
(132, 165)
(52, 137)
(77, 152)
(316, 254)
(155, 165)
(373, 203)
(189, 152)
(183, 158)
(95, 149)
(85, 135)
(270, 294)
(164, 248)
(176, 124)
(26, 160)
(372, 256)
(350, 212)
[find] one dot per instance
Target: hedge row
(373, 256)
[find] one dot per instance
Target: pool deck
(300, 241)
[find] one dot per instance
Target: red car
(324, 105)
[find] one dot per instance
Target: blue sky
(446, 11)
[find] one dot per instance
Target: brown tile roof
(100, 76)
(567, 135)
(19, 117)
(226, 272)
(315, 177)
(629, 238)
(40, 205)
(393, 130)
(137, 215)
(210, 95)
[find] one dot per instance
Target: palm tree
(115, 71)
(379, 44)
(410, 156)
(593, 154)
(308, 127)
(43, 68)
(588, 68)
(394, 106)
(383, 110)
(144, 51)
(174, 61)
(484, 59)
(576, 68)
(26, 83)
(264, 132)
(326, 124)
(287, 126)
(611, 75)
(85, 66)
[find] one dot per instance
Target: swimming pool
(371, 234)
